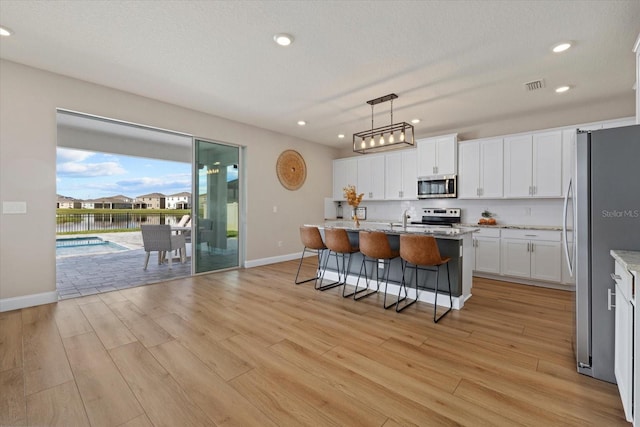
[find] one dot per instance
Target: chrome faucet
(404, 218)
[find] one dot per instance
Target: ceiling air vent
(534, 85)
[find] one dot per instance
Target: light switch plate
(14, 207)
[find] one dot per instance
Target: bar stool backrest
(375, 244)
(420, 250)
(337, 240)
(311, 238)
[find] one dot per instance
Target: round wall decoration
(291, 169)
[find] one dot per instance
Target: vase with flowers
(353, 199)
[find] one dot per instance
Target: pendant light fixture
(365, 141)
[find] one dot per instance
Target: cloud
(69, 155)
(87, 170)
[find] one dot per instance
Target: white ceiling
(454, 64)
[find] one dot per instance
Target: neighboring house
(152, 201)
(115, 202)
(64, 202)
(179, 201)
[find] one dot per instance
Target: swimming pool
(90, 245)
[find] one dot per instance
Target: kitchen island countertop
(454, 233)
(629, 259)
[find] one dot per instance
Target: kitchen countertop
(516, 227)
(629, 259)
(456, 233)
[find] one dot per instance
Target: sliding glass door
(216, 210)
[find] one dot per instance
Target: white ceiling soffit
(121, 129)
(454, 64)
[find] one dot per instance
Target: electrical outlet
(527, 211)
(279, 243)
(275, 209)
(380, 264)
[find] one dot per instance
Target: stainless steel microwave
(437, 186)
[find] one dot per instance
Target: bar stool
(374, 246)
(312, 241)
(337, 240)
(423, 253)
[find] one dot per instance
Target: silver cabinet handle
(616, 277)
(532, 245)
(609, 305)
(477, 191)
(528, 247)
(534, 189)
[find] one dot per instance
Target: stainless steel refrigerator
(603, 204)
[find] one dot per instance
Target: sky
(89, 175)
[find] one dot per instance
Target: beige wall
(28, 158)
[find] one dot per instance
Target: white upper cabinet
(400, 175)
(438, 156)
(345, 172)
(371, 177)
(533, 165)
(547, 164)
(481, 166)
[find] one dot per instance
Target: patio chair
(183, 221)
(159, 238)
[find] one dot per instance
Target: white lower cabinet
(486, 244)
(623, 359)
(534, 254)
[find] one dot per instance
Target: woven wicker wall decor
(291, 169)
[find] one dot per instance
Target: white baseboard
(423, 294)
(16, 303)
(523, 281)
(274, 259)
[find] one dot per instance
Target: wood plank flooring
(250, 348)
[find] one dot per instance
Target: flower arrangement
(352, 197)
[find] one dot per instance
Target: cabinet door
(371, 177)
(568, 157)
(491, 169)
(546, 260)
(427, 157)
(515, 256)
(517, 166)
(623, 356)
(446, 155)
(345, 172)
(409, 175)
(487, 255)
(469, 162)
(547, 164)
(393, 176)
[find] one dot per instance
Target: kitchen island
(455, 242)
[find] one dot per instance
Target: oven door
(439, 186)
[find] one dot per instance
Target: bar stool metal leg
(435, 304)
(324, 270)
(406, 294)
(356, 292)
(319, 254)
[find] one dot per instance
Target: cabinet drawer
(625, 281)
(547, 235)
(487, 232)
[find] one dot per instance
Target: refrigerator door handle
(564, 227)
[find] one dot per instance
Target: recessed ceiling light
(562, 89)
(283, 39)
(415, 121)
(561, 47)
(4, 31)
(341, 135)
(301, 123)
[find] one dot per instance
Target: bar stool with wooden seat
(374, 246)
(422, 251)
(337, 240)
(312, 241)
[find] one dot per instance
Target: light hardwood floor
(250, 348)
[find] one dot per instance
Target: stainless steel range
(439, 217)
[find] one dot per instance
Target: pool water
(90, 245)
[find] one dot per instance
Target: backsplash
(512, 211)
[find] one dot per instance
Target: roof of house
(152, 196)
